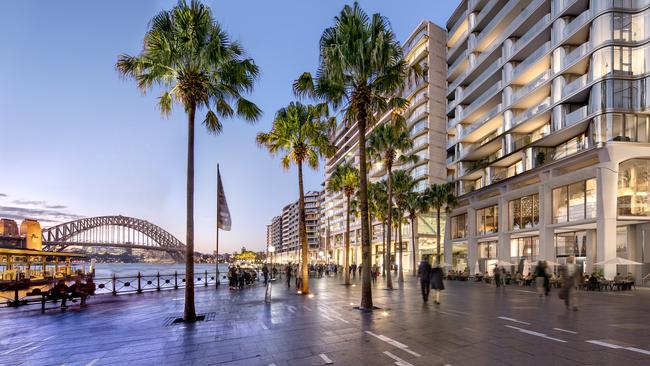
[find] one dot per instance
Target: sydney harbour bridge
(112, 231)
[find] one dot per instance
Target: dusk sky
(78, 141)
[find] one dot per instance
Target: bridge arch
(112, 231)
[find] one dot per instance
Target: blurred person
(424, 274)
(436, 282)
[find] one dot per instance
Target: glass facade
(627, 127)
(633, 194)
(487, 220)
(487, 250)
(575, 202)
(524, 248)
(571, 244)
(524, 212)
(459, 226)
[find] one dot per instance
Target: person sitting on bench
(60, 291)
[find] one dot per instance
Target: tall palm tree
(403, 185)
(300, 134)
(361, 67)
(345, 178)
(197, 65)
(389, 144)
(439, 197)
(415, 203)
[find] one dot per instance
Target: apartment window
(570, 147)
(487, 250)
(459, 226)
(524, 212)
(575, 202)
(571, 244)
(524, 248)
(487, 220)
(621, 127)
(633, 195)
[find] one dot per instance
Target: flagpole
(216, 256)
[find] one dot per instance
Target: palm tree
(387, 145)
(300, 134)
(345, 179)
(193, 60)
(415, 203)
(361, 67)
(438, 197)
(403, 185)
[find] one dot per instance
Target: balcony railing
(487, 116)
(576, 54)
(530, 34)
(479, 102)
(539, 80)
(530, 60)
(576, 85)
(531, 112)
(576, 23)
(462, 57)
(481, 78)
(575, 116)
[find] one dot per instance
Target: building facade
(283, 231)
(425, 118)
(548, 128)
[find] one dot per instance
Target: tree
(438, 197)
(345, 178)
(415, 203)
(193, 61)
(404, 185)
(389, 144)
(361, 67)
(300, 134)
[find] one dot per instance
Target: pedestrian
(424, 273)
(570, 274)
(540, 276)
(436, 282)
(496, 276)
(298, 275)
(375, 271)
(274, 272)
(265, 274)
(287, 270)
(359, 268)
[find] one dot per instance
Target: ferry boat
(24, 263)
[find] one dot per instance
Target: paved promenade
(475, 325)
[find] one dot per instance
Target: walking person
(436, 282)
(375, 272)
(496, 276)
(424, 273)
(287, 269)
(570, 275)
(265, 274)
(540, 276)
(298, 275)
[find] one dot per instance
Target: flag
(223, 214)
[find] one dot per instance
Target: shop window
(633, 196)
(575, 202)
(524, 212)
(571, 244)
(487, 220)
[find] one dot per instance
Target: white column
(546, 240)
(591, 250)
(448, 249)
(503, 246)
(607, 183)
(472, 242)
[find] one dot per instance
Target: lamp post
(267, 296)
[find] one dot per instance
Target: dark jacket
(436, 279)
(424, 271)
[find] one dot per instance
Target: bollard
(139, 286)
(114, 288)
(206, 278)
(158, 287)
(175, 280)
(16, 299)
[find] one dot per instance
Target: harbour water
(106, 270)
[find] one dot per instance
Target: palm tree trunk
(400, 273)
(302, 233)
(190, 311)
(438, 235)
(389, 276)
(414, 260)
(366, 281)
(383, 241)
(346, 260)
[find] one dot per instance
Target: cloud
(3, 195)
(41, 214)
(56, 207)
(31, 203)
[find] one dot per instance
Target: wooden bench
(45, 296)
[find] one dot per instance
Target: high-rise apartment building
(548, 123)
(283, 230)
(426, 121)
